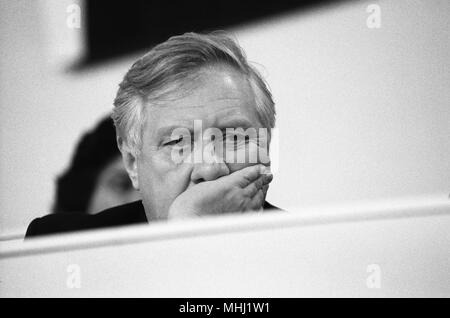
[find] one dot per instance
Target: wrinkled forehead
(220, 98)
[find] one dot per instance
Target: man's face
(221, 98)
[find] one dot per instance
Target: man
(193, 122)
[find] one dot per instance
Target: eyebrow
(168, 130)
(234, 122)
(230, 122)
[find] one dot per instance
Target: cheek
(160, 176)
(154, 168)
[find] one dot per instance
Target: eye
(174, 142)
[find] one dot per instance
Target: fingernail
(268, 177)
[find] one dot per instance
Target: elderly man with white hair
(193, 121)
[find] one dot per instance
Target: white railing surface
(395, 248)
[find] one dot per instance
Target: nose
(208, 172)
(211, 167)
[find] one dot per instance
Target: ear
(130, 162)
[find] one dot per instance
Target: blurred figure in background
(96, 178)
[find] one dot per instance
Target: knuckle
(259, 183)
(253, 189)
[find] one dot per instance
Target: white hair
(169, 66)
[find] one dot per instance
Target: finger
(265, 188)
(247, 175)
(263, 180)
(258, 200)
(252, 189)
(265, 170)
(267, 178)
(260, 183)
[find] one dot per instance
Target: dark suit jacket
(131, 213)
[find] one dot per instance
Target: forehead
(219, 96)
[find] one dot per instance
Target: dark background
(119, 28)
